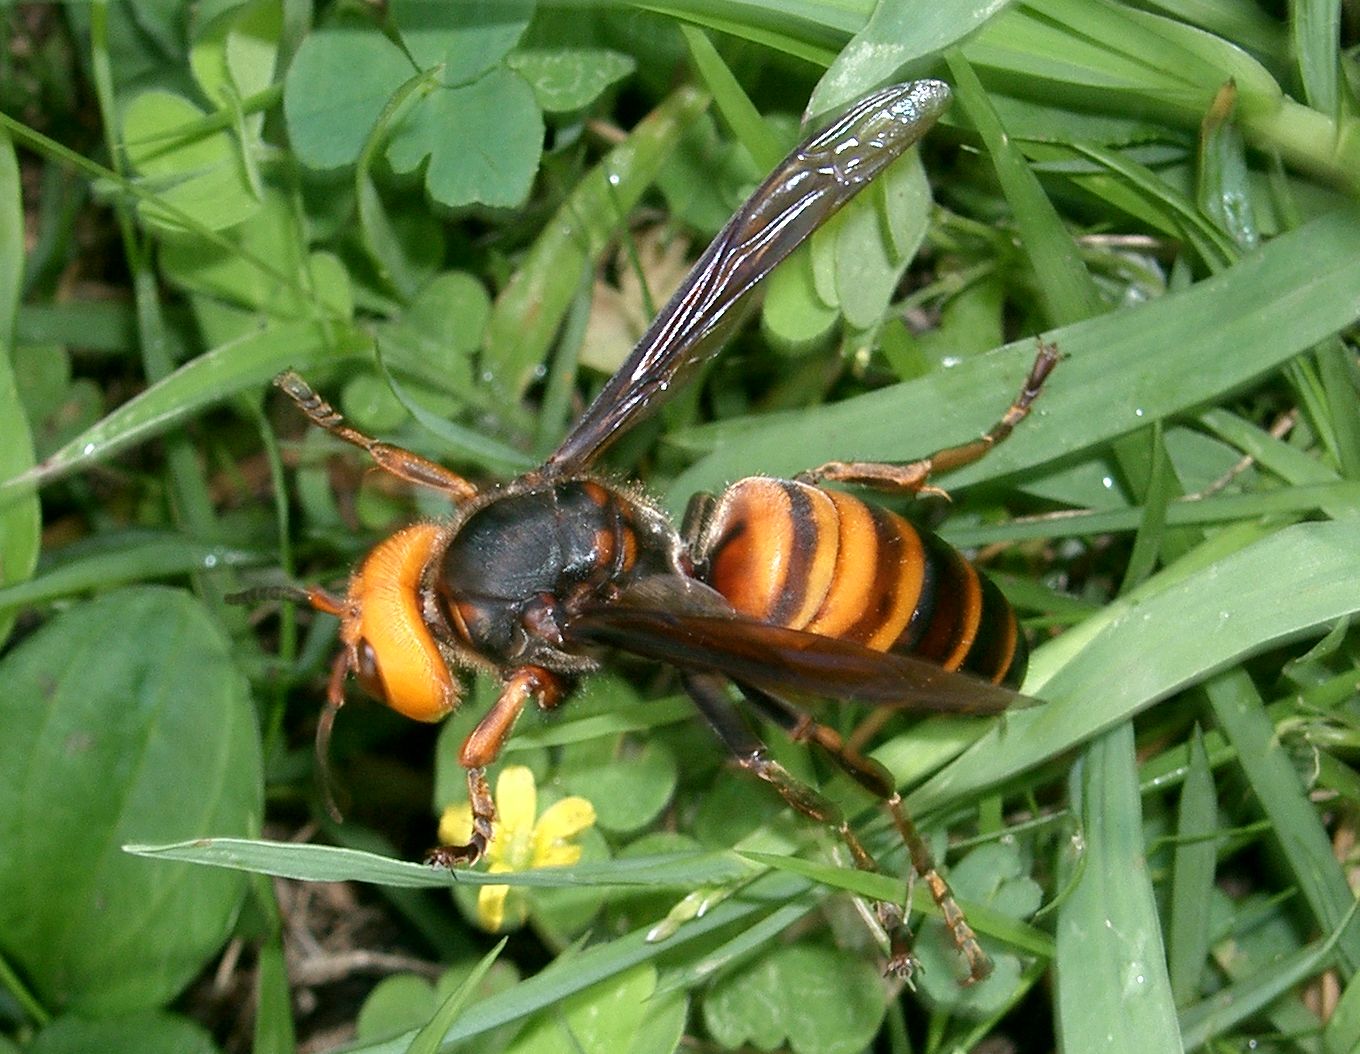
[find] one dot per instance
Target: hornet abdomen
(823, 561)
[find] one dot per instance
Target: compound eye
(367, 674)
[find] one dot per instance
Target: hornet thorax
(518, 566)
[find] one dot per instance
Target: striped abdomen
(823, 561)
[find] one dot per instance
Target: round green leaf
(337, 86)
(483, 141)
(993, 875)
(629, 789)
(622, 1015)
(328, 283)
(871, 256)
(570, 79)
(20, 518)
(201, 174)
(736, 805)
(125, 721)
(444, 323)
(320, 282)
(786, 998)
(397, 1004)
(368, 402)
(153, 1032)
(234, 56)
(793, 314)
(466, 38)
(252, 48)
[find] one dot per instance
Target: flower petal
(455, 825)
(516, 800)
(566, 818)
(559, 854)
(560, 821)
(491, 906)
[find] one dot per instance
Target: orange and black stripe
(823, 561)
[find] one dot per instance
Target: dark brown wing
(780, 659)
(820, 176)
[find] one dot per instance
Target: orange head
(388, 644)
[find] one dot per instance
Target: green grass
(1155, 852)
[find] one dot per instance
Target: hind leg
(709, 695)
(874, 778)
(913, 477)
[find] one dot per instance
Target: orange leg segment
(913, 477)
(482, 747)
(402, 463)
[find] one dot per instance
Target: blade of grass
(528, 312)
(1339, 499)
(884, 887)
(1214, 247)
(274, 1032)
(1224, 190)
(1316, 28)
(812, 30)
(461, 440)
(732, 101)
(323, 863)
(1237, 608)
(21, 519)
(1342, 1034)
(95, 326)
(247, 362)
(734, 951)
(602, 961)
(1065, 287)
(376, 232)
(1192, 876)
(1118, 997)
(1241, 715)
(1238, 1002)
(1248, 27)
(429, 1038)
(137, 558)
(898, 34)
(1336, 369)
(1159, 488)
(1288, 462)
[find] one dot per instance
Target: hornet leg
(874, 778)
(713, 702)
(481, 748)
(398, 461)
(913, 477)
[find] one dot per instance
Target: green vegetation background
(454, 219)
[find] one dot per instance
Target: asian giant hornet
(781, 587)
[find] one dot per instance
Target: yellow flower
(518, 842)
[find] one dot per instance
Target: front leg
(482, 747)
